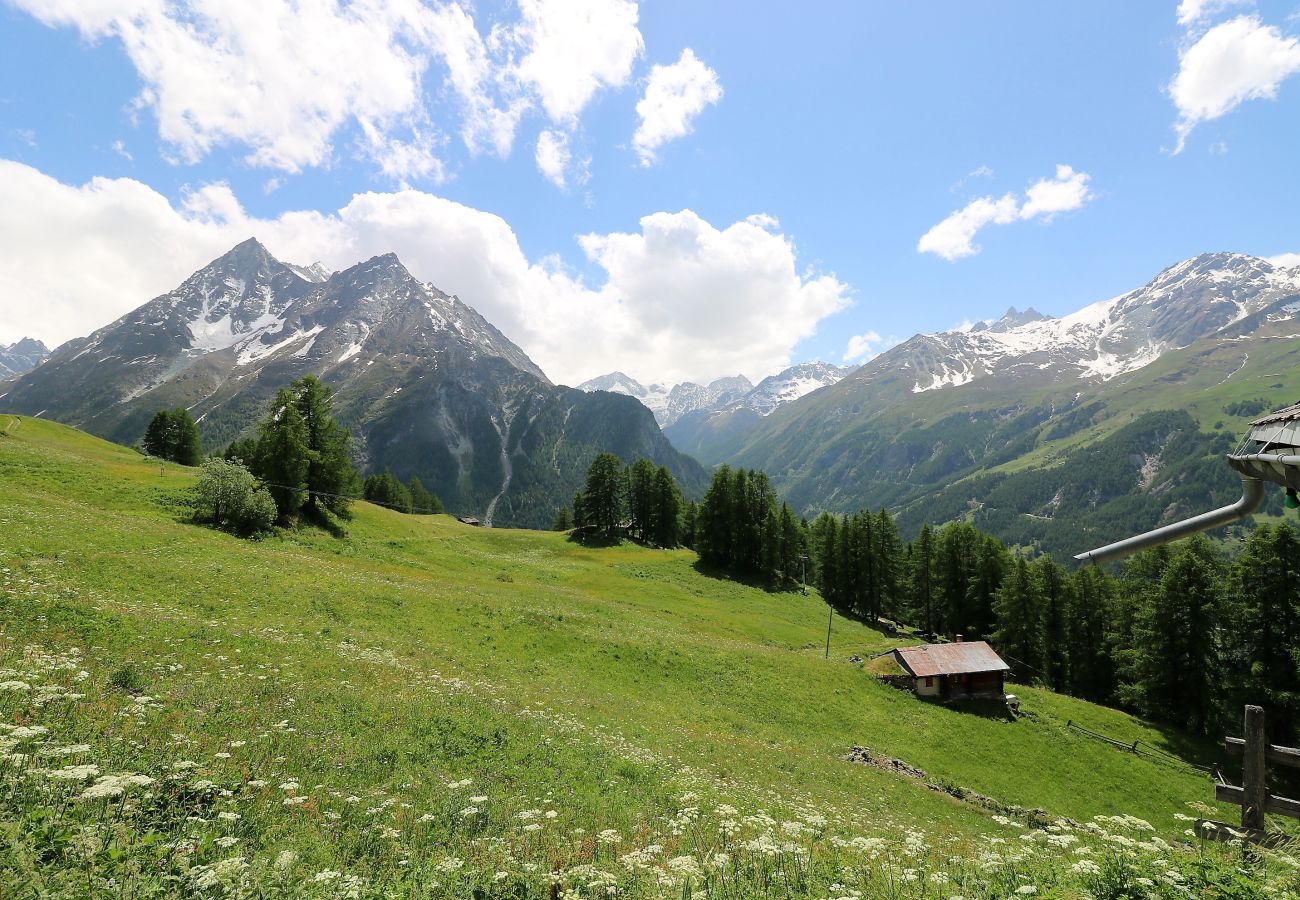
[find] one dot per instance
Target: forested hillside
(394, 710)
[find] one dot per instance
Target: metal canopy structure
(1270, 451)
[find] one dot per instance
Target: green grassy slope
(417, 652)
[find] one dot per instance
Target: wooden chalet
(965, 669)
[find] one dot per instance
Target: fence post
(1254, 789)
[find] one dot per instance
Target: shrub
(228, 496)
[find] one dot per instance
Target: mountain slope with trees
(417, 653)
(1065, 433)
(428, 388)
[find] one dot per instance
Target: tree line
(1181, 635)
(640, 501)
(297, 465)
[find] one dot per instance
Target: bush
(228, 496)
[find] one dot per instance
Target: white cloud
(1235, 61)
(573, 49)
(674, 96)
(954, 237)
(283, 78)
(120, 149)
(553, 156)
(862, 346)
(1284, 260)
(680, 299)
(1193, 12)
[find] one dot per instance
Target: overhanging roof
(963, 658)
(1282, 415)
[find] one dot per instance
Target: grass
(425, 668)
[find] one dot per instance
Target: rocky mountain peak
(21, 356)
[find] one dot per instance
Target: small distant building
(954, 671)
(468, 520)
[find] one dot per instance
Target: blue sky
(832, 137)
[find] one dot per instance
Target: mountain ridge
(427, 385)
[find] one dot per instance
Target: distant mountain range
(1007, 423)
(427, 385)
(15, 359)
(671, 404)
(1057, 432)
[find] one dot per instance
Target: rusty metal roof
(964, 657)
(1282, 415)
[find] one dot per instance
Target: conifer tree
(1264, 641)
(422, 500)
(714, 521)
(1019, 637)
(1091, 667)
(330, 476)
(563, 520)
(888, 552)
(1053, 588)
(921, 578)
(173, 435)
(1178, 659)
(690, 519)
(282, 455)
(667, 517)
(603, 498)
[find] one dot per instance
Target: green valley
(422, 708)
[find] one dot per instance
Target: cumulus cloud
(284, 78)
(1235, 61)
(573, 49)
(1285, 260)
(954, 237)
(674, 96)
(862, 346)
(679, 299)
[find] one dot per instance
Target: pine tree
(385, 490)
(888, 552)
(1178, 659)
(1019, 637)
(641, 499)
(603, 498)
(330, 476)
(794, 547)
(1053, 588)
(1263, 642)
(282, 455)
(690, 518)
(713, 524)
(1091, 667)
(579, 512)
(921, 578)
(173, 435)
(422, 501)
(563, 521)
(667, 518)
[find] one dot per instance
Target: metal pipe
(1252, 495)
(1269, 457)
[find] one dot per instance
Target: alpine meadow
(562, 449)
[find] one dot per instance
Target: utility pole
(830, 617)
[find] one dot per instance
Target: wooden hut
(954, 671)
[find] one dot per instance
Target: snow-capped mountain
(21, 356)
(777, 390)
(428, 386)
(670, 405)
(1205, 295)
